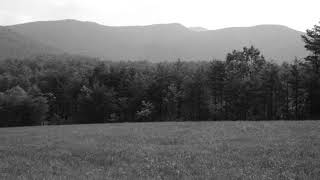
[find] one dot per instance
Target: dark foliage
(74, 89)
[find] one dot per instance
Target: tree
(243, 70)
(298, 90)
(96, 105)
(157, 91)
(312, 44)
(216, 82)
(144, 114)
(18, 108)
(269, 92)
(285, 93)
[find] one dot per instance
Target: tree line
(65, 89)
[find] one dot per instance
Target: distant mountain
(198, 29)
(163, 41)
(15, 45)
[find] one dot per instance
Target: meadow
(164, 150)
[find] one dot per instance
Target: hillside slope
(163, 41)
(15, 45)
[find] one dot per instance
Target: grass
(177, 150)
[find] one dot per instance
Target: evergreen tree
(312, 44)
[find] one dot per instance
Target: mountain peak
(198, 29)
(274, 27)
(261, 27)
(168, 26)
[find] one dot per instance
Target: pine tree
(312, 44)
(216, 78)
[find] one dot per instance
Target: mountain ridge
(160, 42)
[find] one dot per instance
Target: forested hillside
(64, 89)
(15, 45)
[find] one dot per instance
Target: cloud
(20, 11)
(7, 18)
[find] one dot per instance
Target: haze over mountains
(15, 45)
(154, 42)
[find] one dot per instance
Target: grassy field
(177, 150)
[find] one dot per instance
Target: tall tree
(216, 82)
(312, 44)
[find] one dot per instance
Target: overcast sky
(210, 14)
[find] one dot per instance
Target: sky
(210, 14)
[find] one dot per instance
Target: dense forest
(66, 89)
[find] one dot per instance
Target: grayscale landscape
(159, 90)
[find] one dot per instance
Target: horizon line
(145, 25)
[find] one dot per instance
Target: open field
(177, 150)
